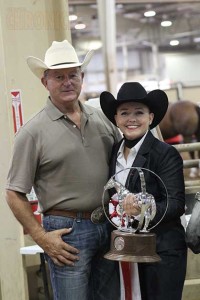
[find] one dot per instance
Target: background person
(63, 152)
(135, 112)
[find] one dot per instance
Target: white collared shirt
(122, 163)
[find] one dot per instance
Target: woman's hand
(131, 206)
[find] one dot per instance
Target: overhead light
(119, 6)
(95, 45)
(91, 45)
(174, 43)
(150, 13)
(196, 39)
(166, 23)
(80, 26)
(132, 15)
(72, 17)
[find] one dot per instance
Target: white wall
(183, 67)
(178, 67)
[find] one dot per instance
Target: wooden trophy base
(133, 247)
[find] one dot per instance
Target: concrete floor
(35, 284)
(192, 283)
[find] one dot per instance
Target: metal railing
(191, 186)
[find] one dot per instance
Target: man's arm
(51, 242)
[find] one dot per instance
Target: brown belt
(97, 216)
(68, 213)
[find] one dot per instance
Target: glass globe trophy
(132, 241)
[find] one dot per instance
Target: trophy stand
(129, 243)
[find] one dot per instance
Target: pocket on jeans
(51, 223)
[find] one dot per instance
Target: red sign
(17, 109)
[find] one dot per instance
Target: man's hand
(51, 242)
(60, 252)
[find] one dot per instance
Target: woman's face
(133, 119)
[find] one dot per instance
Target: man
(63, 152)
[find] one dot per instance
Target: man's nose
(66, 80)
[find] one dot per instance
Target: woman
(135, 112)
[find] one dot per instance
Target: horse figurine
(144, 199)
(182, 118)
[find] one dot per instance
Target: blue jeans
(93, 277)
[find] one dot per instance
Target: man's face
(64, 85)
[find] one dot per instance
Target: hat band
(64, 63)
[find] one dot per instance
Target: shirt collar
(55, 114)
(134, 149)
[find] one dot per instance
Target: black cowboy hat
(156, 100)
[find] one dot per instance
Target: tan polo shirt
(67, 166)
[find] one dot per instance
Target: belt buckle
(98, 215)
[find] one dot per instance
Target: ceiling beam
(77, 2)
(152, 1)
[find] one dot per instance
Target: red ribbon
(126, 272)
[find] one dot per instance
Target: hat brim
(156, 100)
(37, 66)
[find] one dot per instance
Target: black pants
(164, 280)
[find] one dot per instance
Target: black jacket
(165, 161)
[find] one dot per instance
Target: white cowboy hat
(60, 55)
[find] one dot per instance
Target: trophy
(133, 240)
